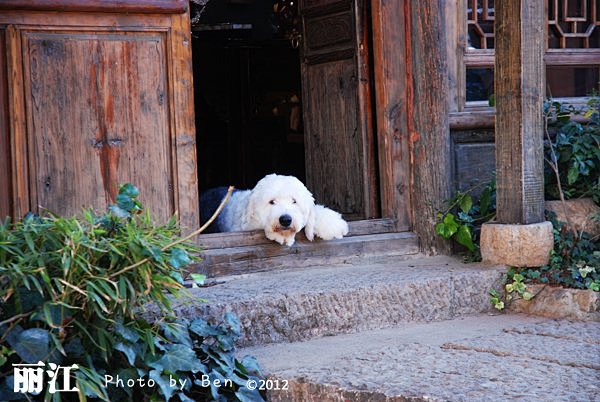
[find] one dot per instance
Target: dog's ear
(309, 228)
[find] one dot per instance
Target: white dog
(280, 205)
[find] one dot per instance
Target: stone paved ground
(477, 358)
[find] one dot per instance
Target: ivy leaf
(214, 390)
(32, 345)
(572, 175)
(499, 306)
(127, 351)
(227, 341)
(177, 334)
(202, 328)
(118, 212)
(179, 358)
(464, 237)
(198, 279)
(179, 258)
(589, 113)
(248, 395)
(466, 202)
(527, 296)
(251, 365)
(485, 201)
(126, 332)
(234, 323)
(163, 382)
(125, 202)
(465, 217)
(129, 190)
(447, 227)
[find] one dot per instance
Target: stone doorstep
(297, 304)
(476, 358)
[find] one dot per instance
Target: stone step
(297, 304)
(263, 255)
(475, 358)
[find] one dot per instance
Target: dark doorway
(287, 88)
(248, 92)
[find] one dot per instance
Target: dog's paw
(329, 224)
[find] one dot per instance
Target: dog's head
(281, 205)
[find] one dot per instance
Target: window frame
(479, 114)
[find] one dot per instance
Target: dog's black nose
(285, 220)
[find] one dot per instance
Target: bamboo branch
(186, 238)
(15, 317)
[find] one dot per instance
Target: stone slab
(299, 304)
(517, 245)
(477, 358)
(579, 212)
(557, 302)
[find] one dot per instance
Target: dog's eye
(272, 202)
(293, 200)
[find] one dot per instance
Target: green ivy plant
(574, 261)
(462, 219)
(572, 150)
(74, 291)
(514, 286)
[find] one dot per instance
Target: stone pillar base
(517, 245)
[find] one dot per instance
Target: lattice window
(480, 21)
(572, 56)
(573, 24)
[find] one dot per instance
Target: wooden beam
(519, 92)
(120, 6)
(428, 120)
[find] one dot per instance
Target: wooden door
(339, 140)
(101, 99)
(97, 118)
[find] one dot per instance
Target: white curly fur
(277, 195)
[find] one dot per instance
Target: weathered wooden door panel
(333, 158)
(96, 97)
(97, 109)
(339, 140)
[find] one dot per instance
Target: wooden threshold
(257, 237)
(246, 252)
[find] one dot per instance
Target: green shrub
(574, 261)
(74, 290)
(573, 148)
(462, 219)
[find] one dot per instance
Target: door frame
(388, 40)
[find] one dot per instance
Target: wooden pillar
(519, 92)
(428, 120)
